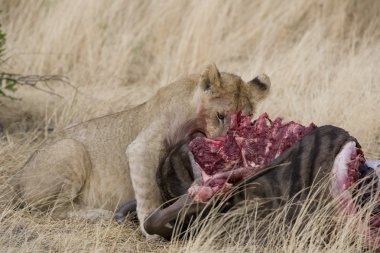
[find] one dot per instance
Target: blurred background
(323, 58)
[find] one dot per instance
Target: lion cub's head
(221, 94)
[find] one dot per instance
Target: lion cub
(102, 163)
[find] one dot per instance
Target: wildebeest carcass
(275, 163)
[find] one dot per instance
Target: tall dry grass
(320, 226)
(323, 59)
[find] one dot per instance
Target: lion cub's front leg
(144, 155)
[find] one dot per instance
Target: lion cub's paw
(91, 214)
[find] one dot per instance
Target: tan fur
(95, 164)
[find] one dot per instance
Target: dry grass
(327, 229)
(323, 58)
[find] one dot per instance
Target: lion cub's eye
(221, 116)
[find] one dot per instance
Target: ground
(322, 57)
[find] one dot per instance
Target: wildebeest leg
(124, 210)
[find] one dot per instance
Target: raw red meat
(247, 147)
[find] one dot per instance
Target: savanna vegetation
(102, 56)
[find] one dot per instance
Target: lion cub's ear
(210, 78)
(259, 86)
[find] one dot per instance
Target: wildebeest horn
(159, 222)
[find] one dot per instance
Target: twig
(33, 80)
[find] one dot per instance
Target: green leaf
(10, 85)
(2, 41)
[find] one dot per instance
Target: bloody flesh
(244, 150)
